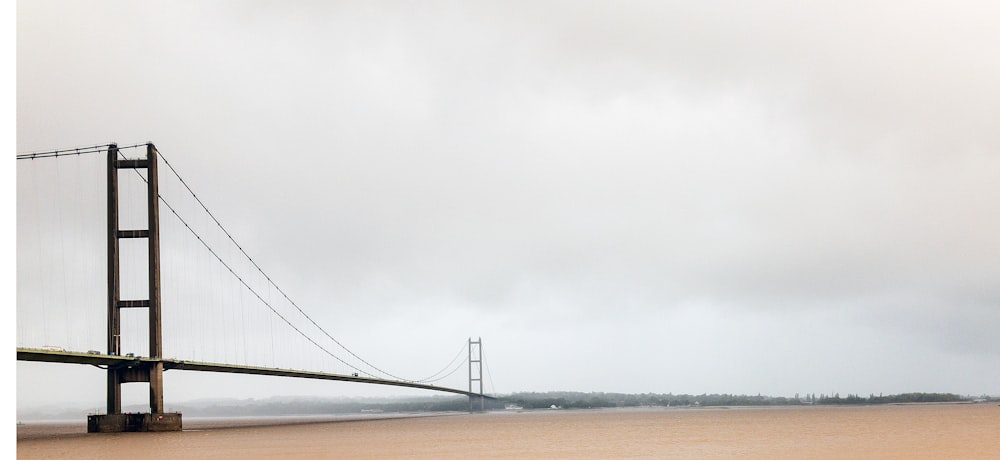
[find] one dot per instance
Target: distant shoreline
(50, 429)
(320, 407)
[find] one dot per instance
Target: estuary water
(966, 431)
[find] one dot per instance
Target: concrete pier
(118, 423)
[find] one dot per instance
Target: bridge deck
(27, 354)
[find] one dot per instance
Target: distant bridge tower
(476, 373)
(150, 371)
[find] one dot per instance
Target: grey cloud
(663, 176)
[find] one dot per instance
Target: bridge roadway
(48, 356)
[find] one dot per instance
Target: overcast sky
(736, 197)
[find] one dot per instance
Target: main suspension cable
(106, 147)
(488, 373)
(268, 278)
(457, 367)
(244, 283)
(72, 151)
(446, 366)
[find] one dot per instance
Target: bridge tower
(140, 370)
(476, 373)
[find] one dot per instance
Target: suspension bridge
(183, 281)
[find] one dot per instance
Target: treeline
(891, 399)
(572, 400)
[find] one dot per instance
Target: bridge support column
(476, 373)
(151, 373)
(114, 392)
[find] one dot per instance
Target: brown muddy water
(946, 431)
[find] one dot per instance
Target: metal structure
(71, 357)
(150, 371)
(126, 368)
(476, 373)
